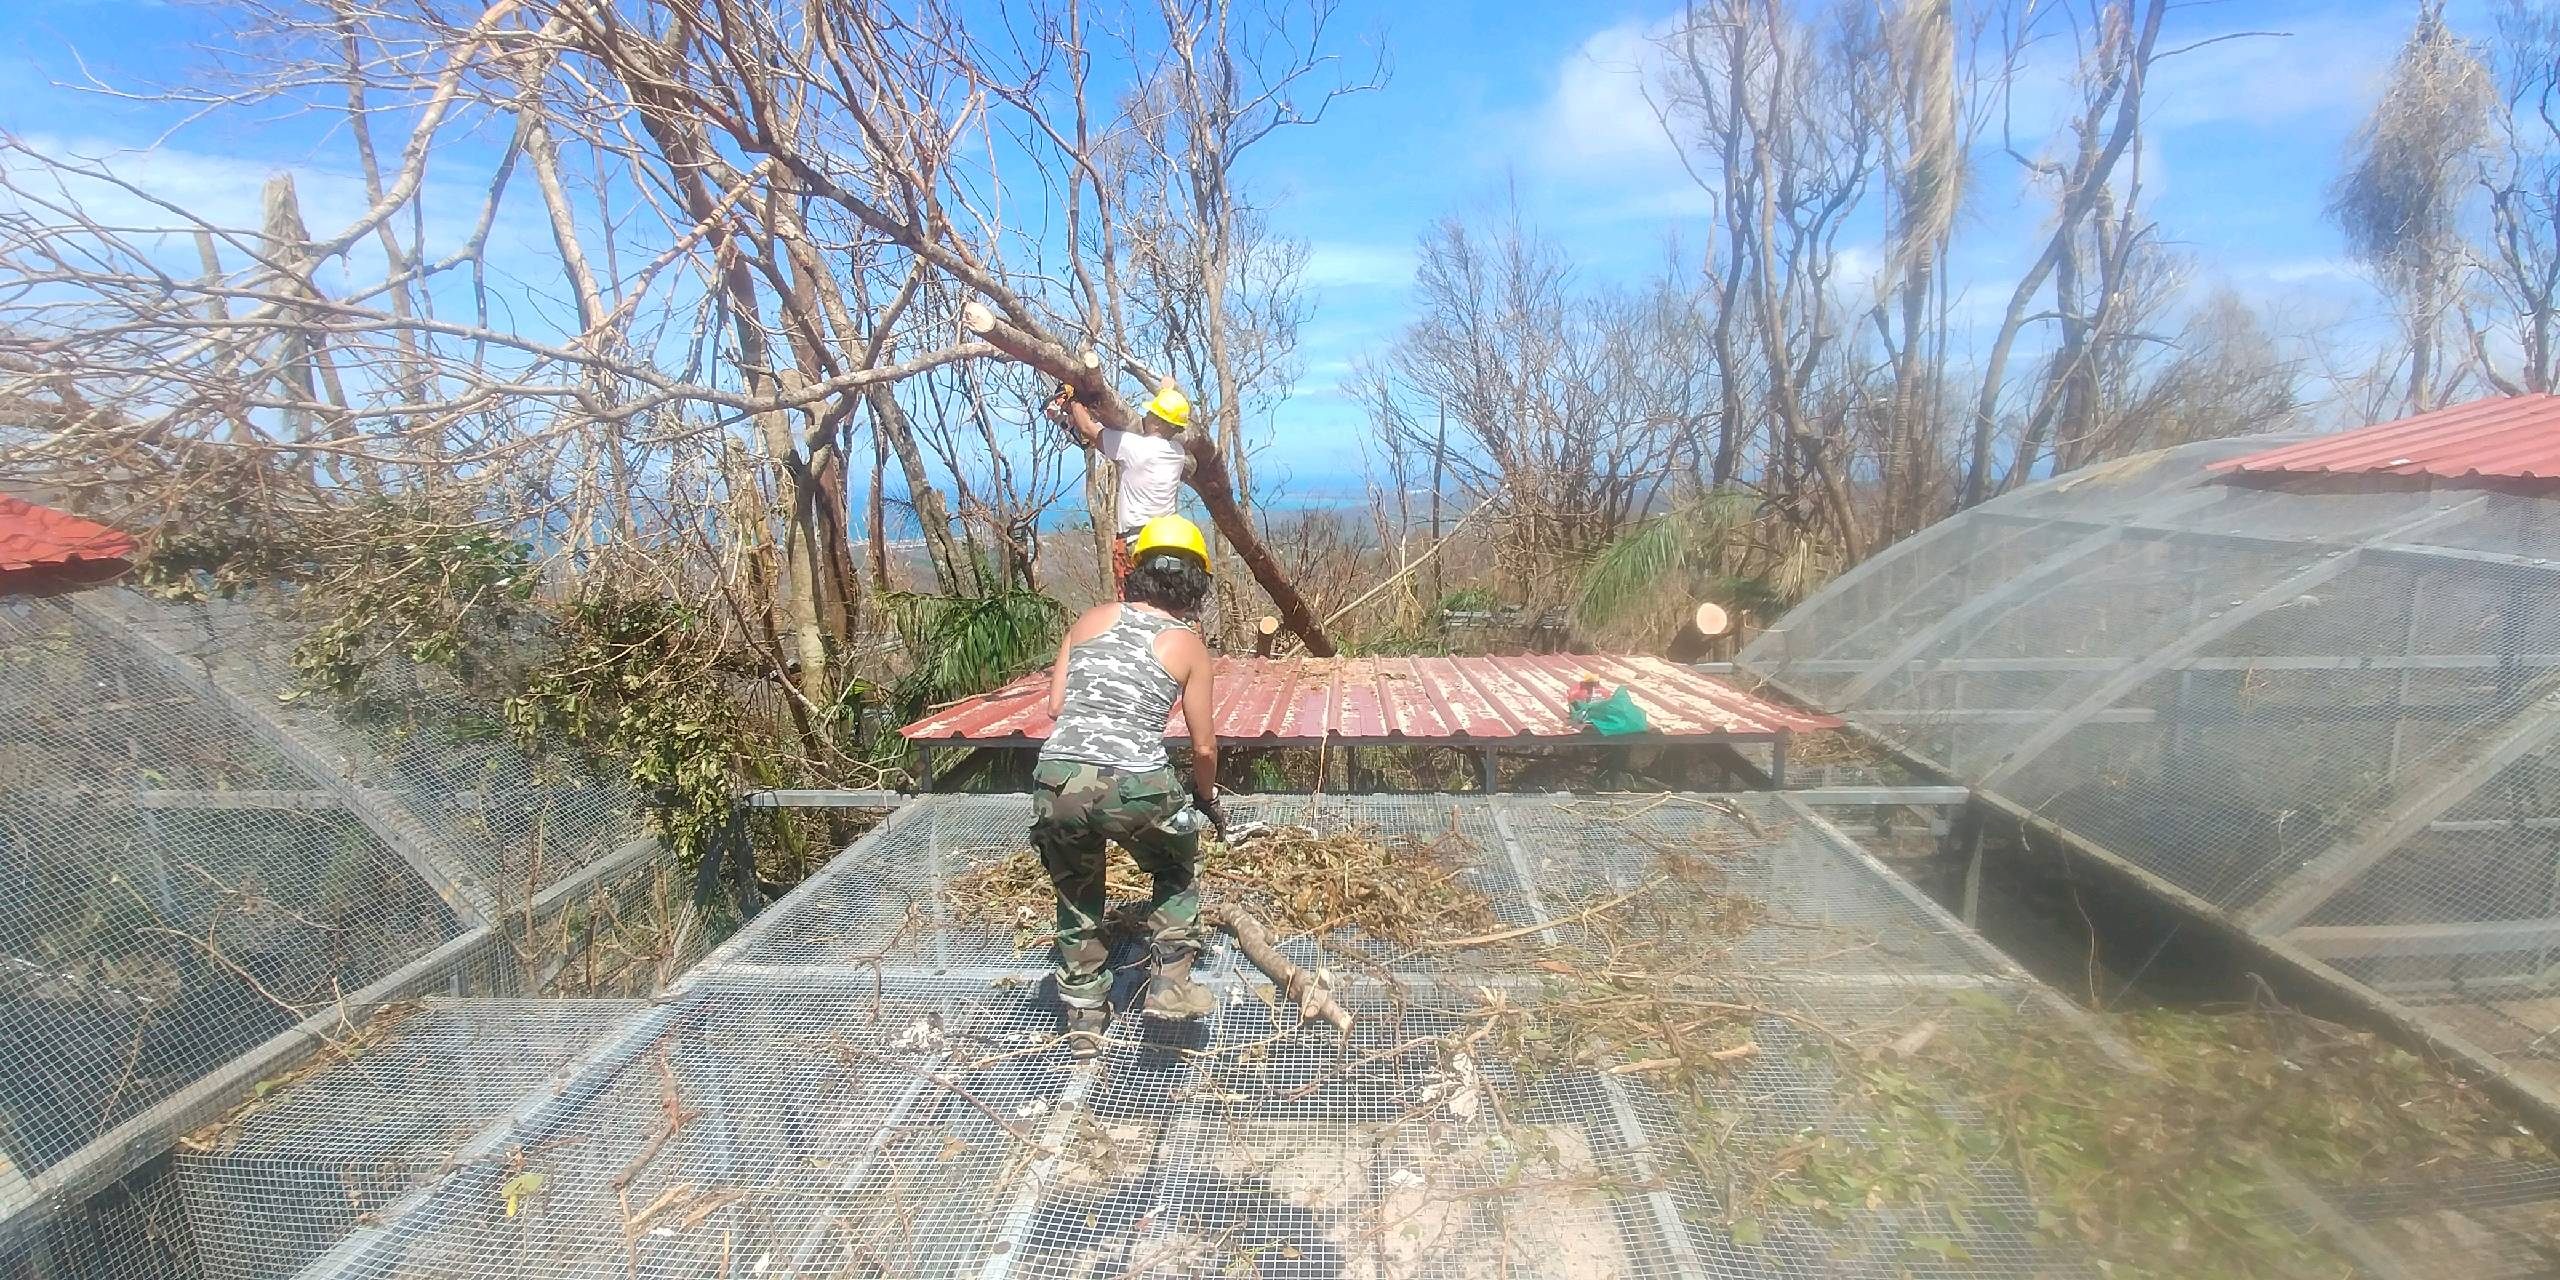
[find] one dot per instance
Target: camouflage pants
(1075, 809)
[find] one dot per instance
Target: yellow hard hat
(1172, 406)
(1170, 533)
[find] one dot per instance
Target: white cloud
(1857, 267)
(1597, 120)
(2308, 270)
(2312, 67)
(1347, 264)
(227, 191)
(2326, 66)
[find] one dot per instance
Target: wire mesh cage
(175, 893)
(868, 1080)
(2324, 704)
(286, 1172)
(202, 874)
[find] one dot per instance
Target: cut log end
(1299, 986)
(1711, 619)
(1267, 625)
(977, 317)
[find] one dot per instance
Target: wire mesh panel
(2325, 704)
(864, 1083)
(194, 859)
(271, 1186)
(2498, 1217)
(134, 1230)
(499, 823)
(171, 893)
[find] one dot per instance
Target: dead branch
(1254, 941)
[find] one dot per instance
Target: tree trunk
(675, 133)
(889, 418)
(1439, 457)
(876, 506)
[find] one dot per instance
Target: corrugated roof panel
(34, 537)
(1308, 700)
(2502, 437)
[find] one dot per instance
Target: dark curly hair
(1168, 580)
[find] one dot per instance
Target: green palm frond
(963, 645)
(1673, 549)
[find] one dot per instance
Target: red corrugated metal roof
(33, 537)
(2502, 437)
(1301, 701)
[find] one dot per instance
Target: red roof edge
(36, 537)
(2494, 438)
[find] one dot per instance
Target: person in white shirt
(1152, 464)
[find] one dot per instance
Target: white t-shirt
(1150, 474)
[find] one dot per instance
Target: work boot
(1084, 1031)
(1171, 994)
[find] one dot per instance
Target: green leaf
(516, 1190)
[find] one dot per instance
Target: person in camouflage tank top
(1104, 775)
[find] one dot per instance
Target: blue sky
(1518, 95)
(1544, 100)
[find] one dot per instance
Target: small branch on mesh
(214, 954)
(1013, 1128)
(1344, 1071)
(132, 1060)
(675, 1116)
(1597, 908)
(1758, 829)
(1255, 942)
(252, 901)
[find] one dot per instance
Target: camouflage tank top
(1119, 697)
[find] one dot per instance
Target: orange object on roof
(34, 537)
(2499, 438)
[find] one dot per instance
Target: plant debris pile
(1400, 889)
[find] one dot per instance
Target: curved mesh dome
(200, 875)
(2327, 705)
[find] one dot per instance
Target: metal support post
(1972, 914)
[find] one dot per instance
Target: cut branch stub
(1209, 476)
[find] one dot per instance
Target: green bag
(1610, 716)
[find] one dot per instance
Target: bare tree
(2520, 178)
(2120, 43)
(762, 221)
(1561, 402)
(1782, 124)
(2399, 202)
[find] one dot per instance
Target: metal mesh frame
(2328, 706)
(143, 942)
(269, 1187)
(201, 875)
(499, 824)
(871, 1085)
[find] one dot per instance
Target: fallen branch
(1013, 1128)
(1298, 984)
(1209, 476)
(1487, 939)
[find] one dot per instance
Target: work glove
(1209, 807)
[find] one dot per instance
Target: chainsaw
(1195, 814)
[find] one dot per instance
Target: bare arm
(1080, 420)
(1058, 675)
(1188, 661)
